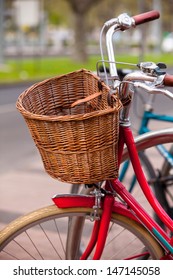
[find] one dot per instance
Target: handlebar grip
(168, 80)
(145, 17)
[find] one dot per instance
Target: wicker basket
(77, 144)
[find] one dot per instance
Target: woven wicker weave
(79, 144)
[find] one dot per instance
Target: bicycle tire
(159, 187)
(162, 188)
(147, 166)
(51, 245)
(166, 165)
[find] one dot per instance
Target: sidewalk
(30, 188)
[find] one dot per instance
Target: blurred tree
(55, 11)
(83, 16)
(80, 10)
(167, 15)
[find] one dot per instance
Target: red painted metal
(92, 242)
(167, 257)
(88, 202)
(120, 145)
(141, 214)
(129, 140)
(104, 226)
(70, 201)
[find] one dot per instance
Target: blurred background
(68, 30)
(44, 38)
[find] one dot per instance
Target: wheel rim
(51, 238)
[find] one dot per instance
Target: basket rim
(53, 118)
(30, 115)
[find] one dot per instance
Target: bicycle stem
(127, 91)
(128, 86)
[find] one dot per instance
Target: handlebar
(122, 22)
(152, 77)
(146, 17)
(168, 80)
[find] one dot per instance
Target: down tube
(129, 140)
(141, 214)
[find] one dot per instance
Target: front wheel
(42, 234)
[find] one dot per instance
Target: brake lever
(153, 90)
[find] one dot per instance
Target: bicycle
(110, 211)
(160, 179)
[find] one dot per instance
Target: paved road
(24, 185)
(13, 130)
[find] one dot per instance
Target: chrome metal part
(95, 213)
(125, 21)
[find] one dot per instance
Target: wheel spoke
(45, 237)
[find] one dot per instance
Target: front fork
(100, 228)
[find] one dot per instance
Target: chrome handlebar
(151, 76)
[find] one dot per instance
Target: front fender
(88, 201)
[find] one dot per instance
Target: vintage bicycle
(108, 223)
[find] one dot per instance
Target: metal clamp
(125, 21)
(95, 213)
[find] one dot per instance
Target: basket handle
(86, 99)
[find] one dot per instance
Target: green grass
(42, 68)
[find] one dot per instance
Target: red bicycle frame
(109, 204)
